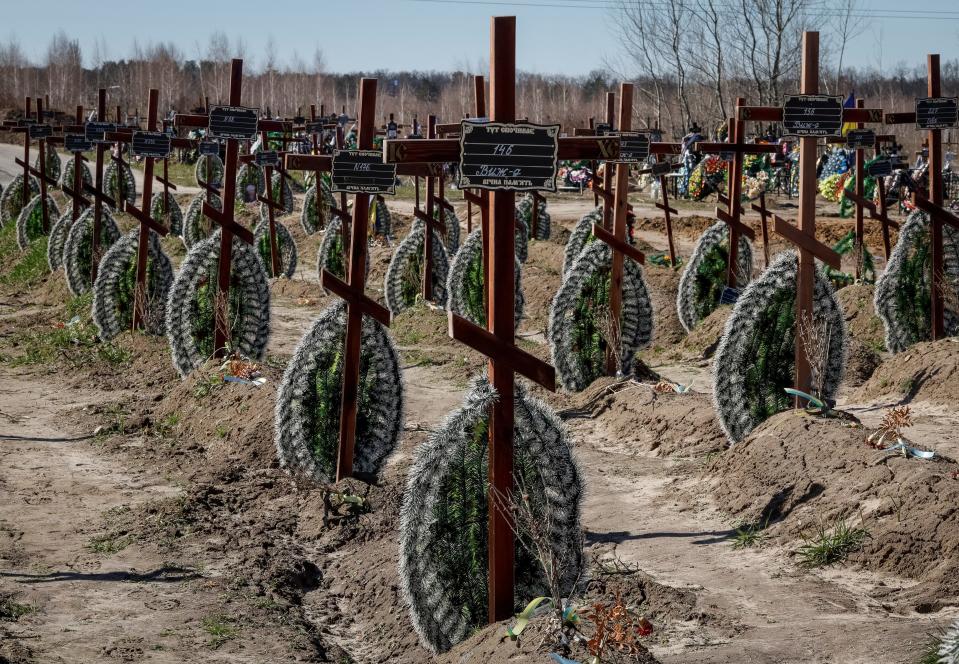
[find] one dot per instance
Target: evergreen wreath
(58, 238)
(173, 218)
(216, 170)
(581, 235)
(444, 525)
(286, 247)
(115, 288)
(191, 304)
(704, 277)
(30, 220)
(902, 298)
(67, 178)
(53, 163)
(524, 211)
(119, 184)
(309, 219)
(466, 283)
(249, 174)
(308, 403)
(282, 194)
(579, 318)
(331, 254)
(404, 276)
(755, 360)
(452, 223)
(381, 221)
(196, 225)
(78, 249)
(11, 200)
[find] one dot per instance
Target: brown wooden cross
(225, 218)
(497, 340)
(659, 171)
(764, 216)
(933, 204)
(352, 291)
(28, 169)
(804, 237)
(168, 185)
(24, 128)
(99, 195)
(732, 216)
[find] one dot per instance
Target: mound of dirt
(701, 343)
(663, 284)
(687, 226)
(632, 416)
(421, 334)
(795, 473)
(542, 276)
(927, 371)
(862, 323)
(861, 363)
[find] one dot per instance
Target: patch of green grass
(207, 385)
(222, 430)
(164, 428)
(108, 543)
(748, 536)
(11, 611)
(221, 629)
(827, 547)
(30, 267)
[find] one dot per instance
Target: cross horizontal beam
(216, 215)
(50, 180)
(145, 218)
(908, 117)
(618, 245)
(727, 218)
(806, 242)
(354, 298)
(517, 360)
(937, 212)
(448, 149)
(775, 114)
(741, 148)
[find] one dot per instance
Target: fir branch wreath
(704, 277)
(191, 304)
(67, 178)
(58, 238)
(196, 225)
(30, 220)
(285, 245)
(903, 292)
(282, 194)
(444, 526)
(78, 249)
(755, 359)
(173, 218)
(581, 235)
(119, 184)
(308, 403)
(11, 201)
(115, 288)
(215, 167)
(246, 175)
(53, 163)
(404, 276)
(579, 329)
(309, 219)
(466, 283)
(524, 211)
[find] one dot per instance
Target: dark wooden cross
(28, 169)
(99, 195)
(430, 221)
(225, 218)
(804, 236)
(147, 222)
(933, 203)
(271, 209)
(659, 170)
(732, 216)
(764, 217)
(497, 340)
(25, 129)
(165, 178)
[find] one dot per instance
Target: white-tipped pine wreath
(521, 243)
(282, 193)
(11, 201)
(58, 239)
(581, 235)
(115, 287)
(902, 295)
(452, 223)
(308, 404)
(119, 183)
(309, 219)
(246, 175)
(381, 221)
(213, 176)
(330, 255)
(443, 523)
(66, 180)
(30, 221)
(404, 276)
(524, 211)
(78, 250)
(578, 321)
(949, 645)
(285, 245)
(465, 285)
(755, 360)
(172, 218)
(704, 277)
(53, 163)
(192, 301)
(196, 225)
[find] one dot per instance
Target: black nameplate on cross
(236, 122)
(508, 156)
(860, 138)
(153, 144)
(633, 146)
(211, 148)
(937, 112)
(812, 115)
(96, 131)
(362, 172)
(880, 168)
(38, 131)
(268, 158)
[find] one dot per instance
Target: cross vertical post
(934, 89)
(42, 154)
(77, 176)
(275, 264)
(98, 186)
(25, 197)
(427, 285)
(860, 185)
(608, 171)
(320, 220)
(619, 228)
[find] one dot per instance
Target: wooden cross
(225, 218)
(430, 222)
(876, 212)
(76, 191)
(764, 216)
(147, 222)
(933, 204)
(353, 292)
(99, 195)
(668, 211)
(25, 129)
(165, 179)
(804, 237)
(28, 169)
(497, 340)
(732, 216)
(271, 208)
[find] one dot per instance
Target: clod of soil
(862, 323)
(928, 371)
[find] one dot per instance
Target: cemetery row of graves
(486, 523)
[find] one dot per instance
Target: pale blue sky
(422, 34)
